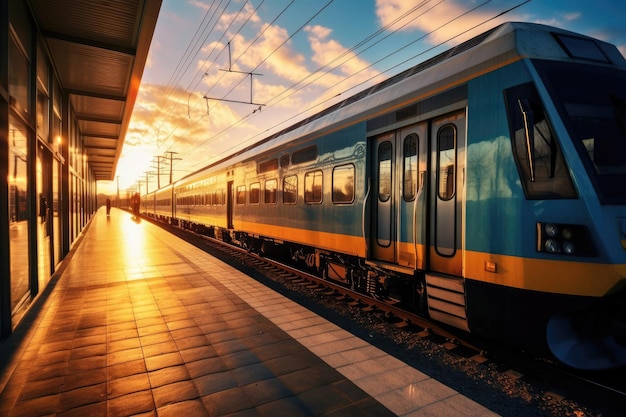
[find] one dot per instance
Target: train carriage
(484, 187)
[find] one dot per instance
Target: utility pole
(148, 179)
(158, 168)
(172, 159)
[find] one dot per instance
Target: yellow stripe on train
(553, 276)
(351, 245)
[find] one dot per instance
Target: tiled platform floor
(141, 323)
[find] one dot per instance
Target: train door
(445, 285)
(398, 159)
(447, 193)
(230, 197)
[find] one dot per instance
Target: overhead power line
(325, 69)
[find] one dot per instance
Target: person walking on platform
(108, 206)
(134, 203)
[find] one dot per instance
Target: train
(484, 187)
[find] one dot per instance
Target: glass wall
(48, 191)
(43, 171)
(19, 136)
(18, 210)
(56, 142)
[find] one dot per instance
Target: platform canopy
(99, 49)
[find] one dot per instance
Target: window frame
(295, 200)
(274, 193)
(317, 173)
(450, 194)
(383, 197)
(240, 196)
(414, 184)
(334, 194)
(254, 193)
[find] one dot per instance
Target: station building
(69, 75)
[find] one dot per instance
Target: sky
(224, 74)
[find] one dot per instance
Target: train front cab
(559, 268)
(589, 112)
(512, 209)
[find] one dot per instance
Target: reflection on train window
(241, 194)
(265, 166)
(284, 160)
(270, 191)
(536, 150)
(290, 189)
(255, 193)
(343, 184)
(384, 171)
(304, 155)
(409, 181)
(313, 187)
(446, 162)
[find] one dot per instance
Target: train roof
(499, 46)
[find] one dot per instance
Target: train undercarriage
(408, 291)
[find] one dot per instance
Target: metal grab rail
(367, 194)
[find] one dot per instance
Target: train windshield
(592, 102)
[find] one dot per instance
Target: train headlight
(565, 239)
(552, 246)
(551, 230)
(568, 247)
(567, 233)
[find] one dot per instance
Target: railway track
(602, 393)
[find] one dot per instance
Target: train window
(446, 162)
(290, 189)
(343, 184)
(409, 181)
(313, 187)
(581, 48)
(241, 194)
(538, 156)
(304, 155)
(284, 160)
(255, 193)
(266, 166)
(270, 191)
(384, 171)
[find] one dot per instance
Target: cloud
(442, 21)
(233, 20)
(572, 16)
(169, 120)
(274, 52)
(201, 5)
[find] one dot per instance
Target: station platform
(138, 322)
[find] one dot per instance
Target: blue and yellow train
(485, 187)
